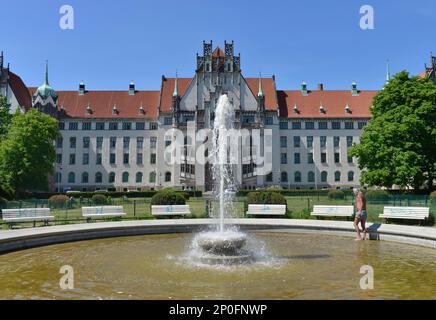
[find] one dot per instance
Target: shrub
(433, 196)
(168, 197)
(265, 197)
(377, 194)
(336, 194)
(99, 199)
(58, 201)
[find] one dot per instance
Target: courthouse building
(116, 139)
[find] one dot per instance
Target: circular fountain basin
(155, 266)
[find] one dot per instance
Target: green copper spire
(176, 87)
(46, 72)
(388, 73)
(260, 93)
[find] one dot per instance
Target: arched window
(112, 177)
(98, 177)
(350, 176)
(297, 176)
(58, 177)
(167, 176)
(310, 176)
(138, 177)
(269, 177)
(85, 177)
(152, 177)
(324, 176)
(337, 176)
(125, 177)
(284, 176)
(71, 177)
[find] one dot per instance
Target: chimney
(320, 87)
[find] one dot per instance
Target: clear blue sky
(115, 42)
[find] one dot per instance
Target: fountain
(224, 245)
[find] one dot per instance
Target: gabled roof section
(166, 98)
(333, 102)
(269, 91)
(20, 90)
(218, 52)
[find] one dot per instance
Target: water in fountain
(225, 244)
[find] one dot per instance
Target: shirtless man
(361, 214)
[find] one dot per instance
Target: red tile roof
(269, 91)
(333, 101)
(167, 90)
(218, 52)
(102, 103)
(20, 91)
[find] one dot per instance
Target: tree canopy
(5, 116)
(27, 153)
(398, 146)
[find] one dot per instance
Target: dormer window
(141, 110)
(115, 110)
(296, 109)
(89, 109)
(347, 109)
(321, 109)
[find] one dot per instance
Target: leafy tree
(398, 146)
(5, 116)
(27, 154)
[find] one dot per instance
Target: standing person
(361, 214)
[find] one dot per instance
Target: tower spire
(388, 73)
(260, 93)
(176, 86)
(46, 72)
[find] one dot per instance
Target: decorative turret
(260, 96)
(354, 91)
(304, 88)
(132, 88)
(45, 97)
(45, 91)
(176, 100)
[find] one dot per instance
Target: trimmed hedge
(99, 199)
(336, 194)
(294, 192)
(168, 197)
(114, 194)
(377, 194)
(265, 197)
(58, 201)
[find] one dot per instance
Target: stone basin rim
(14, 240)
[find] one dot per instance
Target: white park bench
(266, 209)
(413, 213)
(27, 214)
(102, 212)
(170, 210)
(333, 211)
